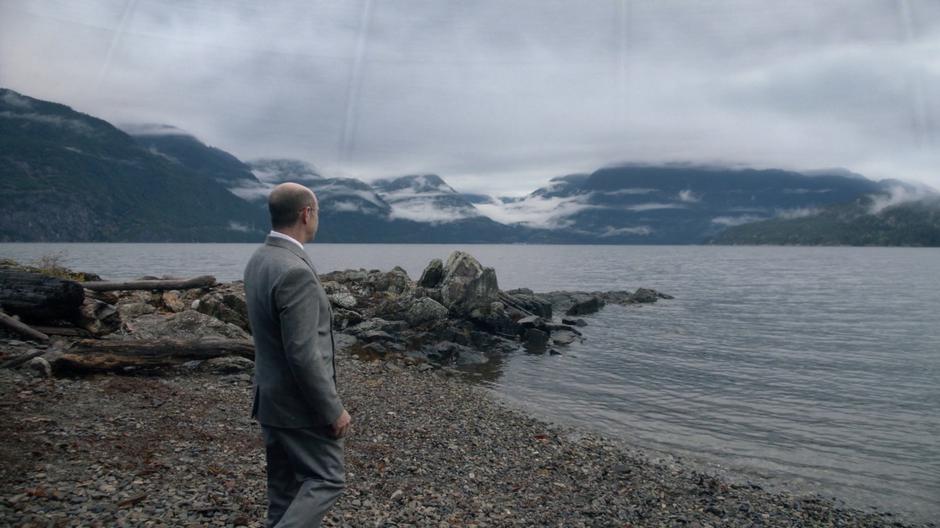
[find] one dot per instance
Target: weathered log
(90, 355)
(66, 331)
(37, 297)
(17, 361)
(21, 328)
(204, 281)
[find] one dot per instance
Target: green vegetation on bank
(860, 223)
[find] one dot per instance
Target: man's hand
(341, 425)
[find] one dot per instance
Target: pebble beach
(427, 449)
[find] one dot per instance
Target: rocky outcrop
(454, 314)
(226, 303)
(188, 324)
(466, 284)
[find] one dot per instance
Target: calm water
(815, 368)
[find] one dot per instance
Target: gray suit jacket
(291, 324)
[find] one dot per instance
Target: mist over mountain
(68, 176)
(159, 183)
(187, 151)
(674, 204)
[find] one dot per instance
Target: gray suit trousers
(306, 475)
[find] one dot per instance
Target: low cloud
(799, 212)
(688, 196)
(56, 121)
(16, 101)
(251, 191)
(611, 231)
(430, 211)
(898, 195)
(152, 129)
(237, 226)
(652, 206)
(537, 211)
(487, 92)
(342, 206)
(731, 221)
(619, 192)
(806, 191)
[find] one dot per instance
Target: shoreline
(428, 449)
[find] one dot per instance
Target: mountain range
(68, 176)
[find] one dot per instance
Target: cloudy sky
(499, 96)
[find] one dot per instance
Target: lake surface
(814, 369)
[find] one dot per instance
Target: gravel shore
(427, 449)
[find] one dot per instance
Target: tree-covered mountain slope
(863, 222)
(67, 176)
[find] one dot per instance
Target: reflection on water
(818, 367)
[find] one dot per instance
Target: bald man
(295, 399)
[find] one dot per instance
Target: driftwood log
(38, 297)
(204, 281)
(64, 331)
(90, 355)
(17, 361)
(23, 329)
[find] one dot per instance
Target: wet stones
(586, 306)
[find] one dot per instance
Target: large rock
(395, 281)
(525, 299)
(646, 295)
(98, 317)
(564, 337)
(228, 306)
(188, 324)
(425, 310)
(494, 318)
(449, 352)
(343, 318)
(173, 301)
(586, 306)
(344, 300)
(535, 341)
(133, 310)
(467, 284)
(433, 274)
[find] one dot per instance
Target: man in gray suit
(295, 400)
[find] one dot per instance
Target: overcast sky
(499, 96)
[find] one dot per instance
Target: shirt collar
(277, 234)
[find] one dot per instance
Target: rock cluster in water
(455, 312)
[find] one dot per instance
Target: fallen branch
(21, 328)
(204, 281)
(90, 355)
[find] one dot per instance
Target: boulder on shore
(466, 284)
(433, 274)
(188, 324)
(425, 310)
(586, 306)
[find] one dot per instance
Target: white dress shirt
(277, 234)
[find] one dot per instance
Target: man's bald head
(286, 202)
